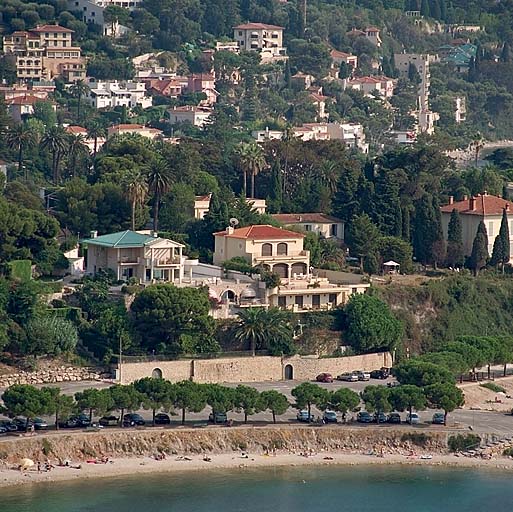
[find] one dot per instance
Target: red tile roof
(51, 28)
(482, 205)
(318, 97)
(260, 232)
(372, 29)
(257, 26)
(26, 99)
(297, 218)
(336, 54)
(80, 130)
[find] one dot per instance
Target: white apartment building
(262, 38)
(372, 85)
(197, 116)
(110, 94)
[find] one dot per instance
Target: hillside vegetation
(438, 311)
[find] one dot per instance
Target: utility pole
(120, 356)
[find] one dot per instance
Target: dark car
(162, 419)
(22, 425)
(394, 417)
(80, 421)
(363, 417)
(220, 417)
(379, 418)
(438, 418)
(324, 377)
(8, 425)
(380, 374)
(3, 430)
(40, 424)
(133, 419)
(109, 421)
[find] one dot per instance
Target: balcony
(166, 262)
(129, 260)
(283, 258)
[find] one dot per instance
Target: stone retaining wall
(251, 369)
(61, 374)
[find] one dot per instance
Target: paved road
(480, 421)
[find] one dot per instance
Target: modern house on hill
(262, 38)
(475, 209)
(133, 254)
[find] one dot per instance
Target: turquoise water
(337, 489)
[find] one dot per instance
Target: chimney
(472, 203)
(507, 207)
(94, 234)
(465, 197)
(451, 199)
(229, 230)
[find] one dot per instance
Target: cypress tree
(506, 53)
(443, 10)
(500, 253)
(275, 197)
(434, 9)
(426, 231)
(424, 9)
(455, 255)
(438, 248)
(406, 219)
(479, 253)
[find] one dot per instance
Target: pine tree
(455, 255)
(424, 9)
(479, 254)
(501, 246)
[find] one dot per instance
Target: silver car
(365, 376)
(348, 377)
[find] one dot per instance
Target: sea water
(307, 489)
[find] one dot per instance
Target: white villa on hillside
(281, 251)
(134, 254)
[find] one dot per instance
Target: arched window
(267, 250)
(282, 248)
(156, 373)
(282, 269)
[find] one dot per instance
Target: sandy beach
(10, 476)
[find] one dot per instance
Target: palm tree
(259, 327)
(55, 140)
(19, 138)
(95, 130)
(79, 89)
(159, 182)
(252, 161)
(137, 189)
(77, 150)
(329, 175)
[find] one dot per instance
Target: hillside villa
(135, 254)
(319, 223)
(473, 210)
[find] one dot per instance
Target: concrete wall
(252, 369)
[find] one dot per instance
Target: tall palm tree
(259, 327)
(329, 175)
(159, 179)
(137, 190)
(55, 140)
(252, 161)
(77, 151)
(79, 89)
(19, 138)
(95, 130)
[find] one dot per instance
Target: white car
(365, 376)
(348, 377)
(413, 418)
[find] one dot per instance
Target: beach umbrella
(26, 463)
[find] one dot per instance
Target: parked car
(304, 416)
(393, 384)
(22, 425)
(394, 417)
(364, 376)
(77, 421)
(40, 424)
(363, 417)
(438, 418)
(133, 419)
(383, 373)
(413, 418)
(324, 377)
(379, 418)
(3, 430)
(162, 419)
(329, 416)
(8, 425)
(109, 421)
(220, 417)
(348, 377)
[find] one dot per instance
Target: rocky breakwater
(118, 443)
(61, 374)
